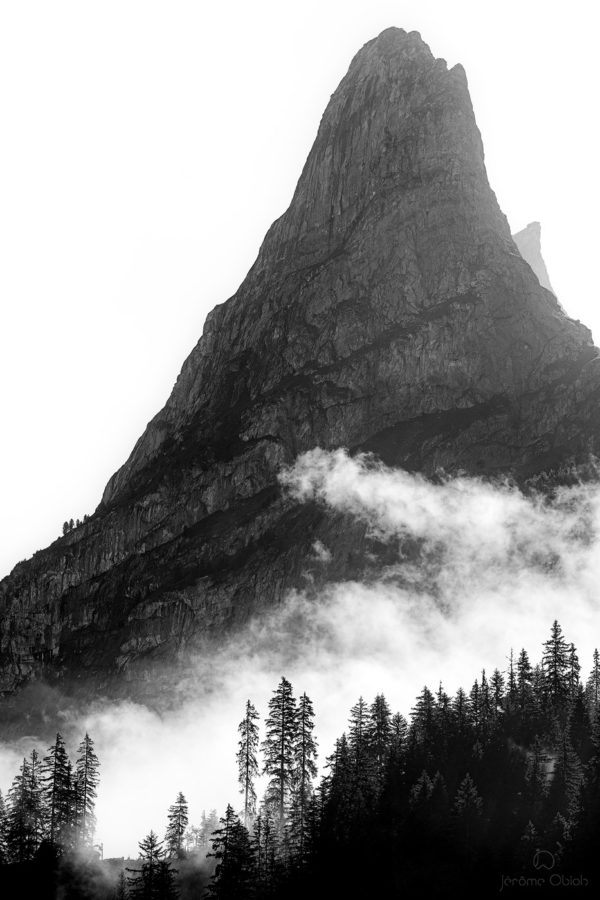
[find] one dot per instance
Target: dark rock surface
(389, 310)
(529, 242)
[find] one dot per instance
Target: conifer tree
(475, 707)
(305, 770)
(35, 799)
(279, 749)
(497, 689)
(461, 713)
(234, 872)
(524, 681)
(154, 880)
(379, 734)
(265, 849)
(423, 717)
(20, 835)
(555, 666)
(247, 761)
(86, 782)
(177, 824)
(592, 688)
(573, 672)
(58, 793)
(511, 687)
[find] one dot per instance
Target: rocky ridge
(388, 310)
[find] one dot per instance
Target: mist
(493, 567)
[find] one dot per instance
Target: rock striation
(529, 243)
(388, 310)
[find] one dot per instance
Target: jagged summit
(388, 310)
(529, 242)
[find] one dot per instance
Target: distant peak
(529, 243)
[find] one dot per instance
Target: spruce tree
(154, 880)
(35, 799)
(247, 760)
(234, 872)
(177, 824)
(279, 750)
(379, 734)
(592, 688)
(573, 672)
(556, 667)
(305, 770)
(58, 792)
(86, 783)
(524, 681)
(20, 835)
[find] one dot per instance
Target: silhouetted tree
(58, 792)
(555, 666)
(279, 749)
(305, 770)
(155, 879)
(177, 824)
(247, 760)
(86, 782)
(234, 872)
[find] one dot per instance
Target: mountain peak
(388, 311)
(529, 242)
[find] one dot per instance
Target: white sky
(146, 148)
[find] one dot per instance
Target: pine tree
(574, 670)
(592, 688)
(58, 793)
(247, 761)
(154, 880)
(305, 770)
(524, 681)
(178, 822)
(86, 783)
(279, 749)
(555, 667)
(511, 687)
(265, 850)
(379, 734)
(35, 799)
(423, 718)
(461, 713)
(234, 872)
(20, 836)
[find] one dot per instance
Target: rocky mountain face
(529, 243)
(388, 310)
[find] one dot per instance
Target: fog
(494, 568)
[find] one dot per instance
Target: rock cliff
(388, 310)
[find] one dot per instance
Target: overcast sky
(146, 148)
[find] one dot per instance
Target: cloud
(479, 568)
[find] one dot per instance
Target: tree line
(468, 790)
(51, 803)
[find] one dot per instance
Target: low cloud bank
(494, 568)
